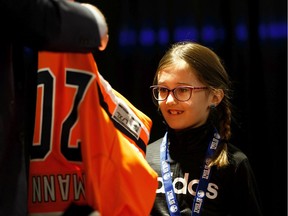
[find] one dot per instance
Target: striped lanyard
(203, 181)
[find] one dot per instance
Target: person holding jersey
(200, 171)
(28, 26)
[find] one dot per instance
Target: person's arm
(56, 25)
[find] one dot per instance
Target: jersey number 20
(74, 78)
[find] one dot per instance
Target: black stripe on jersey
(139, 142)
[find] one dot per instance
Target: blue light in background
(185, 33)
(127, 37)
(209, 34)
(273, 31)
(163, 36)
(148, 36)
(241, 32)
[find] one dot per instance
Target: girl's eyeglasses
(181, 93)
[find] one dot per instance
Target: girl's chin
(176, 127)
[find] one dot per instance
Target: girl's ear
(217, 97)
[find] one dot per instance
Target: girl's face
(191, 113)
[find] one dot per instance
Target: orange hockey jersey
(89, 143)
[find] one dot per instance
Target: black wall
(249, 35)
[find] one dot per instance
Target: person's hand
(104, 42)
(102, 25)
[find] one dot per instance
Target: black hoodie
(232, 190)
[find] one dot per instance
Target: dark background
(249, 35)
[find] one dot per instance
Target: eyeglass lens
(180, 93)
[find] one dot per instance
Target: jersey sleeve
(130, 121)
(115, 135)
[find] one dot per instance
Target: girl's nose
(170, 99)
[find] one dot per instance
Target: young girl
(200, 171)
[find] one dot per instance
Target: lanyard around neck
(203, 181)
